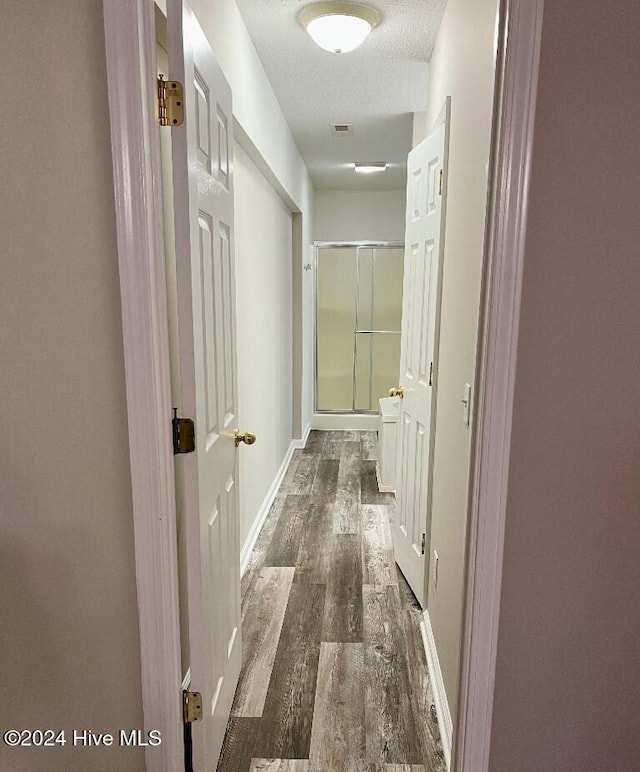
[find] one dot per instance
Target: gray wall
(568, 671)
(68, 616)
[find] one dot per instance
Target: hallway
(334, 673)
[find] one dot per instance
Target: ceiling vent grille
(342, 129)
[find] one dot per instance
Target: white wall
(68, 614)
(354, 215)
(462, 67)
(263, 233)
(265, 135)
(420, 128)
(568, 672)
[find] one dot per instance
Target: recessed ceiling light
(338, 27)
(370, 167)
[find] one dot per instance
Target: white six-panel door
(203, 201)
(420, 315)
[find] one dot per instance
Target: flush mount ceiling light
(338, 27)
(371, 167)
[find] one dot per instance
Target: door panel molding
(130, 57)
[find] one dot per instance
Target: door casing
(130, 59)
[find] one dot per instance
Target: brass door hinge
(191, 707)
(184, 434)
(170, 102)
(441, 185)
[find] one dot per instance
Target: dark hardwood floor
(334, 676)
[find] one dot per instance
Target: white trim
(440, 700)
(519, 56)
(301, 443)
(261, 516)
(186, 681)
(383, 488)
(345, 422)
(130, 58)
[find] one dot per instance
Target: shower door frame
(317, 245)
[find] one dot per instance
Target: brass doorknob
(397, 391)
(247, 437)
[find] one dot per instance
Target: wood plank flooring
(334, 677)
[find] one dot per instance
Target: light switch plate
(466, 404)
(436, 560)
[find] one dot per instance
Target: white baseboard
(302, 442)
(261, 516)
(383, 488)
(345, 422)
(437, 683)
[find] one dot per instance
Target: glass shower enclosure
(358, 318)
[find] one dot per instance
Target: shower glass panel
(336, 318)
(386, 355)
(387, 289)
(358, 319)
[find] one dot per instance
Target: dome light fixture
(338, 27)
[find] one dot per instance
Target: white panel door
(418, 372)
(203, 203)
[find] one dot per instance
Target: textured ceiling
(376, 88)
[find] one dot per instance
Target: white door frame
(130, 59)
(514, 114)
(130, 52)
